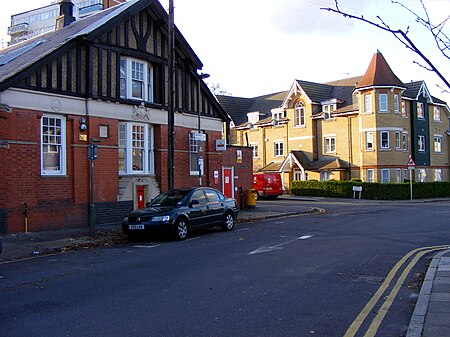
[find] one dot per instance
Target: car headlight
(163, 218)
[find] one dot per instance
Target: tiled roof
(43, 45)
(379, 74)
(316, 92)
(412, 89)
(238, 107)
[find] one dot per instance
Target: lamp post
(92, 155)
(200, 77)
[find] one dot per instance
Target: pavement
(431, 317)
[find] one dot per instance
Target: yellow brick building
(363, 127)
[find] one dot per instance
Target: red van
(267, 185)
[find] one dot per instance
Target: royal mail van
(267, 185)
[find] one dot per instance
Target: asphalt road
(308, 275)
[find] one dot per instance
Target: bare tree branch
(441, 39)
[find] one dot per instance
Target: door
(228, 182)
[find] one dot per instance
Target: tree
(217, 90)
(442, 41)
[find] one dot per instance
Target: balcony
(20, 28)
(88, 10)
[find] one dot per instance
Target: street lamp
(92, 155)
(200, 77)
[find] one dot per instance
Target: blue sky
(256, 47)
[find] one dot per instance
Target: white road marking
(191, 239)
(144, 246)
(242, 229)
(265, 249)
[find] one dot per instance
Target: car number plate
(136, 226)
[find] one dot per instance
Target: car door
(198, 212)
(215, 206)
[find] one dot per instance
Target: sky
(256, 47)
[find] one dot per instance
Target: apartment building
(42, 20)
(363, 127)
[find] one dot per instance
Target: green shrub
(377, 191)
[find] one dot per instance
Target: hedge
(377, 191)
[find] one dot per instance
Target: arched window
(299, 114)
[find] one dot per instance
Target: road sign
(200, 136)
(411, 164)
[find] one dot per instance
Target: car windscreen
(171, 198)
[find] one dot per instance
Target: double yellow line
(374, 326)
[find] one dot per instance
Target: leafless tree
(217, 90)
(442, 40)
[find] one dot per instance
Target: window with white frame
(369, 175)
(383, 102)
(194, 164)
(438, 175)
(406, 173)
(254, 150)
(325, 175)
(327, 110)
(367, 103)
(330, 144)
(398, 140)
(278, 116)
(421, 143)
(299, 114)
(384, 136)
(396, 103)
(369, 140)
(404, 109)
(298, 175)
(422, 175)
(437, 144)
(136, 80)
(420, 112)
(136, 153)
(385, 176)
(398, 173)
(437, 114)
(278, 149)
(53, 145)
(405, 141)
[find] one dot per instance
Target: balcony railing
(18, 29)
(89, 10)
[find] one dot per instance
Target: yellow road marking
(354, 327)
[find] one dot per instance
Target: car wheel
(228, 222)
(181, 229)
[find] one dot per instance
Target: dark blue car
(182, 210)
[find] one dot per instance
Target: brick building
(364, 127)
(104, 78)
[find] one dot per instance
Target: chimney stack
(65, 17)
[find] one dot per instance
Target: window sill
(136, 174)
(385, 150)
(57, 176)
(300, 126)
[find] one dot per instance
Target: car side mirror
(147, 204)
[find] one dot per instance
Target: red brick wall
(53, 201)
(62, 201)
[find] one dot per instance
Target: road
(309, 275)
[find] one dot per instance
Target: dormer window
(327, 110)
(278, 115)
